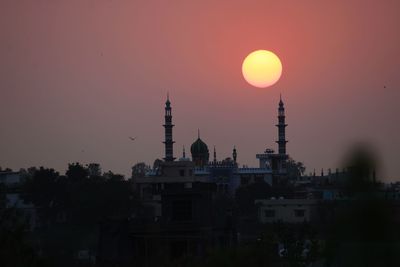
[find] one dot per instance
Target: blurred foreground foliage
(364, 231)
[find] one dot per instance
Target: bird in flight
(132, 138)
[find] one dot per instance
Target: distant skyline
(78, 78)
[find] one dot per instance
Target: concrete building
(10, 178)
(286, 210)
(277, 161)
(12, 182)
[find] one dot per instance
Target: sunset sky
(77, 78)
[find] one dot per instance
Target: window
(269, 213)
(182, 172)
(299, 213)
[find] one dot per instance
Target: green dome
(199, 148)
(199, 152)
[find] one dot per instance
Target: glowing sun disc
(262, 68)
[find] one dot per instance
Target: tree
(297, 241)
(45, 190)
(15, 247)
(76, 172)
(5, 170)
(295, 169)
(94, 170)
(70, 207)
(157, 163)
(139, 170)
(110, 176)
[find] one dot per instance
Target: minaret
(215, 156)
(169, 143)
(234, 154)
(183, 153)
(281, 129)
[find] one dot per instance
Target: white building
(10, 178)
(12, 182)
(286, 210)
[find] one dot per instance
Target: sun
(262, 68)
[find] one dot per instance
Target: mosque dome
(199, 147)
(200, 153)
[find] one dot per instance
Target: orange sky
(78, 77)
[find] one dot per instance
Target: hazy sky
(78, 77)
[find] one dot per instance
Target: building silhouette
(169, 143)
(225, 174)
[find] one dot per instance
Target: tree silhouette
(295, 169)
(16, 248)
(139, 170)
(45, 190)
(76, 172)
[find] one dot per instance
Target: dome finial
(198, 133)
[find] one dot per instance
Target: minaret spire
(183, 152)
(234, 154)
(281, 128)
(198, 133)
(169, 143)
(215, 155)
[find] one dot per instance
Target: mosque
(226, 175)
